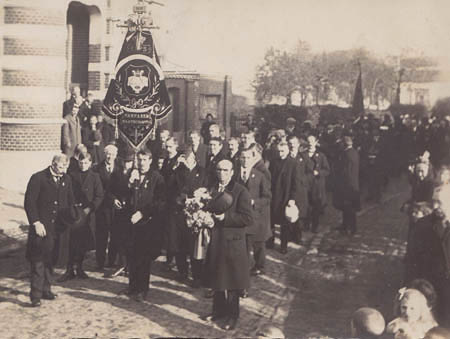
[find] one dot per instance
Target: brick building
(47, 46)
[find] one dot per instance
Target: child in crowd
(367, 323)
(415, 317)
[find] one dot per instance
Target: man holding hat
(48, 193)
(346, 196)
(227, 265)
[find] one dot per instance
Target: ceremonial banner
(137, 97)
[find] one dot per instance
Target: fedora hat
(220, 203)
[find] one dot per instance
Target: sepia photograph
(225, 169)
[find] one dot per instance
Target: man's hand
(86, 210)
(40, 229)
(219, 217)
(117, 204)
(96, 143)
(136, 217)
(316, 173)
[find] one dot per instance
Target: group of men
(130, 207)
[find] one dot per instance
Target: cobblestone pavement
(314, 288)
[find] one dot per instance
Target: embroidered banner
(137, 97)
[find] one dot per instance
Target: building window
(108, 26)
(108, 3)
(107, 75)
(107, 51)
(174, 95)
(209, 104)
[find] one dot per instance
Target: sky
(231, 36)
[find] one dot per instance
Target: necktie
(244, 176)
(221, 188)
(57, 180)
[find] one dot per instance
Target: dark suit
(44, 199)
(149, 198)
(346, 195)
(287, 184)
(189, 181)
(104, 215)
(201, 154)
(226, 261)
(211, 164)
(317, 194)
(88, 192)
(168, 171)
(259, 231)
(120, 231)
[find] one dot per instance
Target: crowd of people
(129, 206)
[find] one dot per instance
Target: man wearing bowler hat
(48, 193)
(227, 264)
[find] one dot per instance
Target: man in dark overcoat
(148, 198)
(346, 195)
(316, 170)
(48, 193)
(200, 150)
(226, 262)
(216, 154)
(189, 176)
(71, 132)
(88, 194)
(286, 189)
(258, 160)
(105, 214)
(168, 171)
(259, 188)
(121, 195)
(302, 194)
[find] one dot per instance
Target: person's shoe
(256, 272)
(81, 274)
(196, 283)
(48, 296)
(231, 324)
(183, 278)
(68, 275)
(35, 303)
(270, 244)
(209, 293)
(139, 297)
(211, 317)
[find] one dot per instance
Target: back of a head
(438, 332)
(368, 323)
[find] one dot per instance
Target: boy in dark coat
(88, 194)
(147, 204)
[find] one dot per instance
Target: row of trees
(318, 74)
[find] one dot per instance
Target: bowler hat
(220, 203)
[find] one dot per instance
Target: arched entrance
(77, 48)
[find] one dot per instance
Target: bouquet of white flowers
(199, 220)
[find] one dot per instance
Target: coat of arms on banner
(137, 97)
